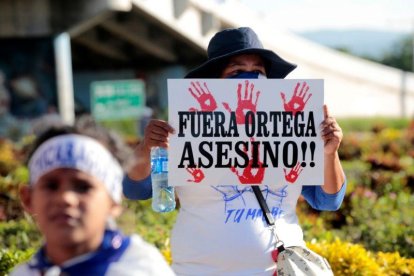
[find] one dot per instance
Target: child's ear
(116, 210)
(26, 198)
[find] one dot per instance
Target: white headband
(78, 152)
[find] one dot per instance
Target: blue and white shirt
(118, 255)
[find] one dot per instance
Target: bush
(381, 223)
(138, 217)
(19, 234)
(393, 264)
(372, 124)
(352, 259)
(10, 258)
(378, 159)
(8, 161)
(347, 259)
(10, 207)
(153, 227)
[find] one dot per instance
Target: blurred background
(111, 58)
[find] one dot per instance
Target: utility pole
(64, 78)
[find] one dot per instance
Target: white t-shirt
(221, 231)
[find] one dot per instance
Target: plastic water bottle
(163, 198)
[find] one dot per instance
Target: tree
(401, 56)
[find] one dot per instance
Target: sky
(311, 15)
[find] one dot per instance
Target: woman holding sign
(220, 230)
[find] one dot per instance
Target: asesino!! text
(272, 124)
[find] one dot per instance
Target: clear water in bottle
(163, 198)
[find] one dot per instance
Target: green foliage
(349, 125)
(19, 234)
(347, 259)
(393, 264)
(356, 172)
(377, 211)
(8, 161)
(352, 259)
(125, 127)
(387, 226)
(10, 207)
(401, 55)
(152, 226)
(10, 258)
(343, 49)
(19, 240)
(375, 217)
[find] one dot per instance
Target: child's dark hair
(86, 125)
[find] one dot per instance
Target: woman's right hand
(155, 135)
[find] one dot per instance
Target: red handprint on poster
(198, 175)
(249, 174)
(244, 104)
(298, 101)
(293, 174)
(203, 97)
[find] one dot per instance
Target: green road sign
(120, 99)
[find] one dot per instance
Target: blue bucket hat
(231, 42)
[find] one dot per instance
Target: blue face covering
(248, 75)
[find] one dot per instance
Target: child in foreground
(74, 193)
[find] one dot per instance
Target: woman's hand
(155, 135)
(334, 176)
(331, 133)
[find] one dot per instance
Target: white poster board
(245, 132)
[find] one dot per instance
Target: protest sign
(245, 132)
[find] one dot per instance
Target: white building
(354, 87)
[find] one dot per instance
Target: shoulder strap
(263, 205)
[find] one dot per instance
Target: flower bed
(372, 233)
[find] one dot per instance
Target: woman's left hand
(331, 133)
